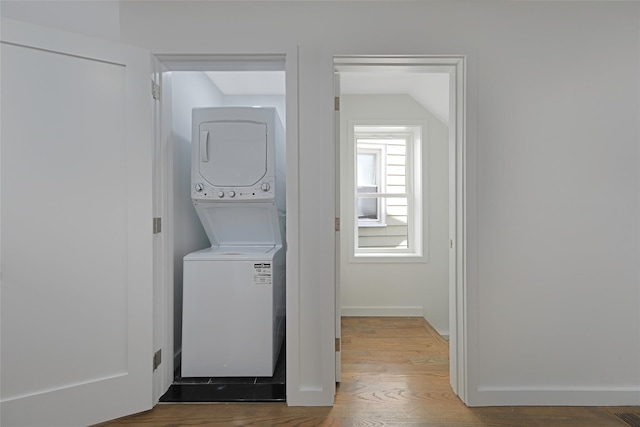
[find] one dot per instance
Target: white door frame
(456, 67)
(163, 337)
(163, 300)
(338, 225)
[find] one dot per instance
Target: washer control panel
(260, 191)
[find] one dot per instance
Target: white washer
(233, 317)
(234, 311)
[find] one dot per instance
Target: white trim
(557, 396)
(416, 203)
(416, 311)
(295, 393)
(162, 259)
(164, 241)
(378, 258)
(337, 243)
(455, 65)
(231, 62)
(458, 309)
(288, 60)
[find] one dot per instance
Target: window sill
(386, 257)
(372, 224)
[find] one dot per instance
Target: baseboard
(309, 397)
(555, 396)
(382, 311)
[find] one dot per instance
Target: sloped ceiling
(431, 90)
(249, 82)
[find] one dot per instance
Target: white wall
(556, 298)
(94, 18)
(402, 288)
(552, 174)
(276, 101)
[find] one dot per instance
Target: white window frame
(379, 150)
(416, 206)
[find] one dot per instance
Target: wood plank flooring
(395, 373)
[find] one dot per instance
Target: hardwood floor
(395, 373)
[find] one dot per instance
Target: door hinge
(337, 224)
(155, 90)
(157, 359)
(336, 103)
(451, 243)
(337, 344)
(157, 225)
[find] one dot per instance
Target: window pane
(366, 169)
(368, 207)
(396, 167)
(394, 233)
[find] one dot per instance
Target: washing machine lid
(234, 253)
(232, 153)
(241, 223)
(240, 250)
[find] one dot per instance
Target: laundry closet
(228, 166)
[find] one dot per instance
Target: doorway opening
(185, 83)
(399, 145)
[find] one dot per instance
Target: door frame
(163, 155)
(455, 65)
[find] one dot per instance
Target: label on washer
(262, 273)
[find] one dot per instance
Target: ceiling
(249, 82)
(431, 90)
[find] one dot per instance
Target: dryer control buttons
(221, 194)
(232, 194)
(265, 186)
(199, 187)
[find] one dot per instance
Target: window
(387, 185)
(369, 171)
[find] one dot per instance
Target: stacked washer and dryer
(234, 291)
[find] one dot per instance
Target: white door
(75, 229)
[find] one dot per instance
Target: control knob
(265, 186)
(199, 187)
(220, 194)
(232, 193)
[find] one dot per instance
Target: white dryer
(234, 292)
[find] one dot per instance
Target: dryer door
(233, 153)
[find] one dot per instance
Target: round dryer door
(233, 153)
